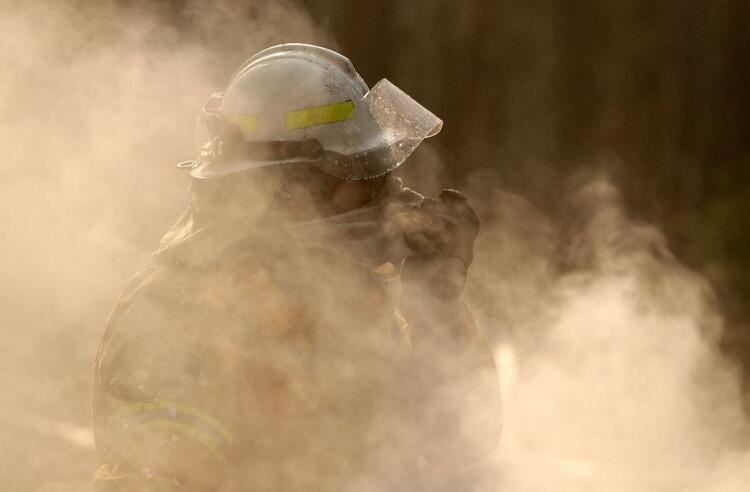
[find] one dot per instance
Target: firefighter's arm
(454, 383)
(156, 428)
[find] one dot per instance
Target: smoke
(99, 101)
(605, 343)
(611, 374)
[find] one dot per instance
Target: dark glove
(440, 235)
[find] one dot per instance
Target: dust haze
(605, 343)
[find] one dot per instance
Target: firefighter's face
(302, 192)
(307, 192)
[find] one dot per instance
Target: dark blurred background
(656, 92)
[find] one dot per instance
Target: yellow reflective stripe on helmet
(319, 115)
(248, 123)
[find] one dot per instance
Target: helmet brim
(217, 168)
(400, 126)
(368, 164)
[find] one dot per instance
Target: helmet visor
(400, 116)
(401, 124)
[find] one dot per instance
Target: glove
(440, 235)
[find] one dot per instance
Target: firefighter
(301, 326)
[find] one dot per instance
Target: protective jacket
(248, 361)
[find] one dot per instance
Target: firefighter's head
(301, 115)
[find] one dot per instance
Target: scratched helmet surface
(299, 103)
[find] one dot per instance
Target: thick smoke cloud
(611, 373)
(606, 344)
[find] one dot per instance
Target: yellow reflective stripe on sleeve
(175, 407)
(168, 415)
(319, 115)
(165, 425)
(248, 123)
(197, 413)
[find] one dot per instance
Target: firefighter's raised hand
(440, 235)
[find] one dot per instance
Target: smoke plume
(611, 374)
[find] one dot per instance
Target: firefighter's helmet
(299, 103)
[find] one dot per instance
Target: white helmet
(299, 103)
